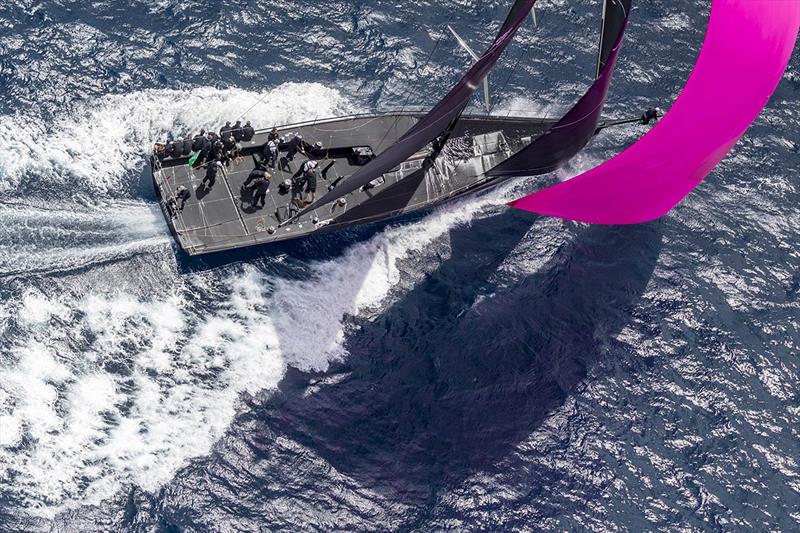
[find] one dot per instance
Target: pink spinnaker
(746, 51)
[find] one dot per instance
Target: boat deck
(222, 217)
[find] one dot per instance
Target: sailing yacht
(381, 165)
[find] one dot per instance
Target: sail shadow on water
(439, 387)
(443, 385)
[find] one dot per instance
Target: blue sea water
(469, 369)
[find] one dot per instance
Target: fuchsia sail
(746, 51)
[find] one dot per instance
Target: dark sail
(615, 16)
(439, 119)
(573, 132)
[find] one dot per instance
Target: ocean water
(472, 368)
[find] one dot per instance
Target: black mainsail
(573, 132)
(440, 120)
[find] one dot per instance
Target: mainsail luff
(574, 131)
(439, 119)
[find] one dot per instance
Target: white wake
(120, 373)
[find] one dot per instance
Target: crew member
(237, 132)
(182, 194)
(225, 130)
(270, 153)
(651, 115)
(296, 145)
(248, 132)
(211, 174)
(229, 144)
(218, 150)
(305, 168)
(273, 135)
(311, 184)
(172, 149)
(207, 149)
(298, 188)
(260, 189)
(198, 141)
(254, 175)
(317, 151)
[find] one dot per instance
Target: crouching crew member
(318, 151)
(231, 149)
(260, 188)
(296, 145)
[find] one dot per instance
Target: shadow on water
(442, 385)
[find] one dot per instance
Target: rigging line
(266, 94)
(411, 89)
(523, 53)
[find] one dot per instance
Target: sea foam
(123, 377)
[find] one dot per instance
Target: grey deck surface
(222, 218)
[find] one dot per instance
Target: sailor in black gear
(161, 151)
(260, 187)
(218, 150)
(248, 132)
(273, 135)
(211, 174)
(229, 143)
(298, 188)
(174, 149)
(179, 148)
(237, 132)
(208, 148)
(254, 174)
(318, 150)
(225, 130)
(187, 146)
(198, 141)
(651, 115)
(295, 145)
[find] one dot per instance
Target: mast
(439, 120)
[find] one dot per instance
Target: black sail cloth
(572, 133)
(439, 119)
